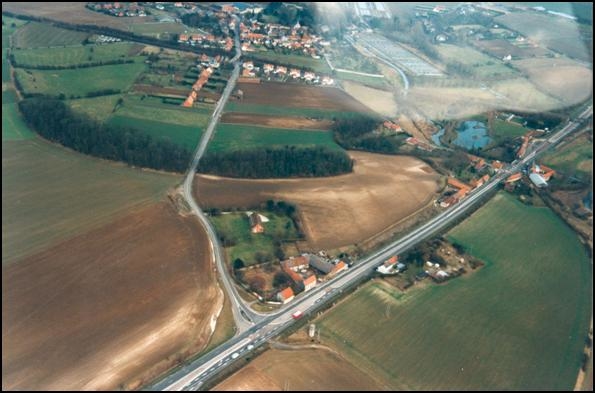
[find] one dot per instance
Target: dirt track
(340, 210)
(299, 96)
(106, 306)
(276, 121)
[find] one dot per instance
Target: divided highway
(193, 375)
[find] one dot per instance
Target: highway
(193, 375)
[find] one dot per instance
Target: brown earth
(340, 210)
(379, 101)
(295, 370)
(276, 121)
(69, 12)
(299, 96)
(562, 78)
(97, 311)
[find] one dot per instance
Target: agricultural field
(265, 110)
(100, 108)
(334, 212)
(157, 29)
(13, 126)
(79, 82)
(186, 136)
(296, 123)
(563, 78)
(317, 65)
(559, 34)
(126, 300)
(488, 327)
(500, 48)
(369, 81)
(482, 66)
(230, 137)
(311, 369)
(299, 96)
(379, 101)
(235, 228)
(502, 129)
(152, 108)
(47, 196)
(75, 55)
(37, 35)
(573, 159)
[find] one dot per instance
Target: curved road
(193, 375)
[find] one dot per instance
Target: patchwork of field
(108, 305)
(100, 108)
(150, 108)
(75, 55)
(35, 35)
(311, 369)
(13, 126)
(271, 110)
(379, 101)
(563, 78)
(560, 34)
(482, 66)
(370, 81)
(79, 82)
(501, 47)
(486, 329)
(47, 195)
(297, 123)
(230, 137)
(340, 210)
(299, 96)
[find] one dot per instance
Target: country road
(193, 375)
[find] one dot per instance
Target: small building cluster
(391, 266)
(200, 82)
(256, 71)
(118, 9)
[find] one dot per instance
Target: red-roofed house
(309, 282)
(256, 223)
(514, 177)
(497, 165)
(286, 295)
(296, 263)
(339, 267)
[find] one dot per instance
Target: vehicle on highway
(235, 355)
(297, 315)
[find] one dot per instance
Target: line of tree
(57, 122)
(356, 133)
(69, 67)
(288, 161)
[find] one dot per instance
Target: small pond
(472, 134)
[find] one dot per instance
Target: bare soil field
(110, 308)
(340, 210)
(299, 96)
(310, 369)
(380, 101)
(292, 122)
(562, 78)
(70, 12)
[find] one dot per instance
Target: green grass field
(35, 35)
(152, 108)
(236, 226)
(79, 82)
(378, 83)
(50, 194)
(100, 108)
(318, 65)
(507, 130)
(234, 106)
(73, 55)
(186, 136)
(574, 159)
(13, 126)
(157, 28)
(518, 323)
(481, 64)
(238, 136)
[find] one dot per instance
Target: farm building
(256, 223)
(295, 264)
(514, 177)
(286, 295)
(319, 264)
(538, 180)
(339, 267)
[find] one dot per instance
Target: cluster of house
(413, 141)
(104, 39)
(539, 175)
(267, 70)
(298, 38)
(205, 40)
(203, 78)
(392, 126)
(118, 9)
(304, 280)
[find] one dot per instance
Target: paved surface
(195, 374)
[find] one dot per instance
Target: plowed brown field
(299, 96)
(97, 311)
(298, 123)
(340, 210)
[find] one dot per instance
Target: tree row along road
(193, 375)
